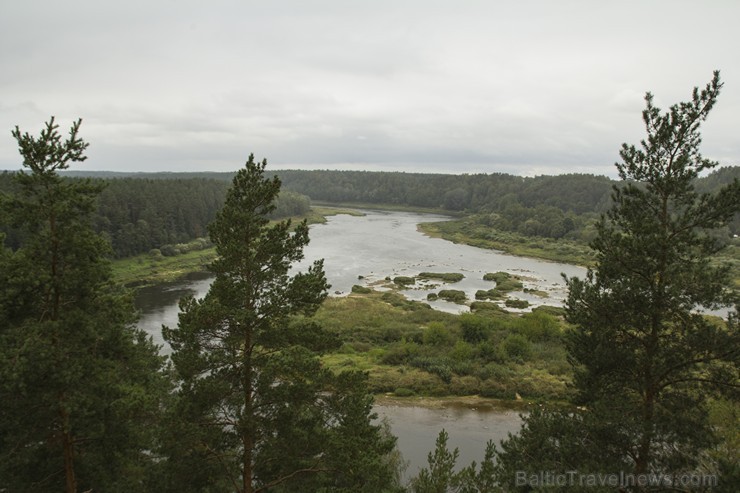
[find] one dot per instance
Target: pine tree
(646, 358)
(256, 409)
(644, 354)
(78, 383)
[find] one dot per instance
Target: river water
(376, 246)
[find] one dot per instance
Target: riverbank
(149, 269)
(562, 251)
(389, 207)
(471, 402)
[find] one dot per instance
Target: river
(376, 246)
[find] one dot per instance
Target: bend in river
(388, 244)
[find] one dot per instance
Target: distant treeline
(140, 214)
(143, 211)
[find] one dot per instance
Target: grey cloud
(527, 86)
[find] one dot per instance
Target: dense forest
(139, 212)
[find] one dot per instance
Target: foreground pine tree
(79, 385)
(646, 360)
(256, 410)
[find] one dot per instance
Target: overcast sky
(525, 87)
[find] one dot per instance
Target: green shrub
(555, 311)
(437, 335)
(454, 295)
(539, 326)
(434, 365)
(486, 306)
(490, 294)
(361, 289)
(465, 385)
(463, 367)
(432, 297)
(461, 352)
(514, 303)
(403, 392)
(517, 347)
(474, 328)
(505, 282)
(404, 280)
(400, 353)
(442, 276)
(495, 389)
(361, 347)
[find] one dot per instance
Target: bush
(517, 346)
(361, 289)
(404, 392)
(490, 294)
(462, 351)
(432, 297)
(436, 366)
(442, 276)
(169, 250)
(361, 347)
(454, 295)
(495, 389)
(400, 353)
(437, 335)
(505, 282)
(489, 351)
(404, 280)
(475, 328)
(485, 306)
(514, 303)
(539, 327)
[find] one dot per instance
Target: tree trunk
(68, 450)
(247, 439)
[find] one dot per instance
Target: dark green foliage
(441, 477)
(439, 366)
(442, 276)
(454, 295)
(475, 328)
(438, 335)
(80, 387)
(256, 410)
(491, 192)
(646, 362)
(152, 211)
(490, 294)
(514, 303)
(404, 280)
(360, 289)
(653, 271)
(517, 347)
(556, 442)
(505, 282)
(176, 207)
(483, 306)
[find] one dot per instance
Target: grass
(411, 350)
(466, 232)
(442, 276)
(146, 269)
